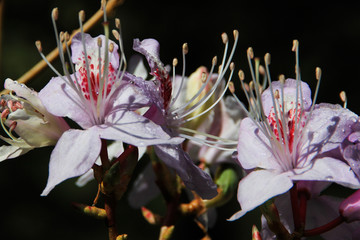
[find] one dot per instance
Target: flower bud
(350, 207)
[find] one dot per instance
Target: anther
(250, 52)
(10, 104)
(12, 126)
(214, 60)
(267, 59)
(318, 73)
(3, 102)
(232, 66)
(55, 14)
(219, 69)
(295, 45)
(225, 38)
(236, 33)
(241, 75)
(343, 98)
(262, 70)
(18, 105)
(99, 42)
(116, 34)
(38, 45)
(282, 78)
(67, 36)
(251, 85)
(82, 15)
(175, 62)
(231, 87)
(111, 47)
(203, 77)
(277, 94)
(62, 37)
(185, 48)
(5, 113)
(117, 23)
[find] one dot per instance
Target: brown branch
(55, 53)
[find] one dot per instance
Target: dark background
(329, 36)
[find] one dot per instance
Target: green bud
(227, 180)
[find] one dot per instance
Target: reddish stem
(110, 206)
(295, 207)
(327, 227)
(105, 162)
(303, 197)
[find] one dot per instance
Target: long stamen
(224, 140)
(185, 50)
(219, 98)
(87, 67)
(214, 61)
(221, 72)
(213, 144)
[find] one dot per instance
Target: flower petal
(62, 100)
(329, 126)
(8, 152)
(327, 169)
(193, 177)
(73, 155)
(114, 150)
(134, 129)
(290, 88)
(150, 48)
(253, 147)
(258, 187)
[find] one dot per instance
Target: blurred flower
(25, 115)
(102, 99)
(286, 139)
(172, 116)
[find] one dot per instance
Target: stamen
(343, 98)
(232, 66)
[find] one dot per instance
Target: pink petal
(258, 187)
(73, 155)
(134, 129)
(253, 147)
(327, 169)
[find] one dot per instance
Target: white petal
(73, 155)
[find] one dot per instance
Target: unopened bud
(255, 233)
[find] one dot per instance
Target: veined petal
(290, 88)
(193, 177)
(92, 50)
(73, 155)
(62, 100)
(134, 129)
(150, 48)
(258, 187)
(327, 169)
(253, 147)
(328, 126)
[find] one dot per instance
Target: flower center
(287, 123)
(94, 76)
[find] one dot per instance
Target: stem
(105, 162)
(111, 4)
(327, 227)
(110, 206)
(295, 207)
(303, 197)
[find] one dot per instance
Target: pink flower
(102, 99)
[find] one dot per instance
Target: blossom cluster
(280, 151)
